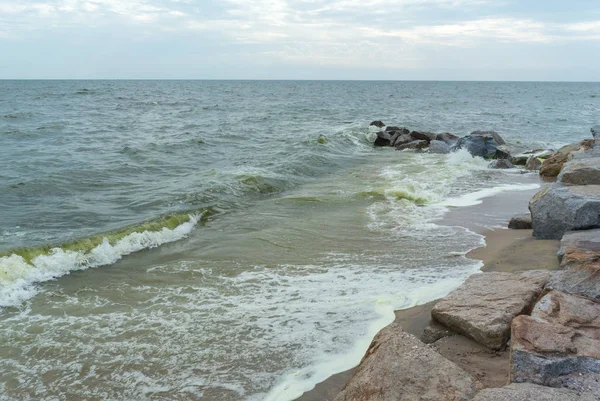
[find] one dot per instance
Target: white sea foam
(18, 278)
(476, 198)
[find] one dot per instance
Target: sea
(238, 240)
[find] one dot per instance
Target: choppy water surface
(235, 240)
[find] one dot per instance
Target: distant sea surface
(236, 240)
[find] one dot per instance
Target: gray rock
(377, 123)
(520, 222)
(533, 163)
(434, 332)
(399, 367)
(581, 172)
(484, 306)
(582, 383)
(423, 136)
(501, 164)
(561, 337)
(531, 392)
(413, 145)
(392, 128)
(574, 240)
(595, 131)
(584, 282)
(448, 138)
(440, 147)
(383, 139)
(481, 143)
(558, 208)
(502, 152)
(400, 138)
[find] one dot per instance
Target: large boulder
(399, 367)
(421, 144)
(520, 222)
(482, 143)
(484, 306)
(532, 392)
(384, 138)
(561, 337)
(579, 256)
(377, 123)
(439, 147)
(581, 172)
(558, 208)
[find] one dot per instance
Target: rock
(383, 139)
(399, 367)
(484, 306)
(392, 128)
(520, 222)
(377, 123)
(579, 281)
(413, 145)
(582, 383)
(581, 172)
(447, 137)
(579, 248)
(440, 147)
(481, 143)
(434, 332)
(501, 164)
(423, 136)
(579, 256)
(533, 163)
(531, 392)
(558, 208)
(502, 152)
(521, 158)
(400, 138)
(595, 131)
(551, 166)
(561, 337)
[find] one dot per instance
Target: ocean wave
(22, 269)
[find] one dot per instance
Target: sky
(525, 40)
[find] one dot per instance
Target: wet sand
(505, 251)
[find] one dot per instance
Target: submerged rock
(484, 306)
(520, 222)
(399, 367)
(581, 172)
(483, 144)
(558, 208)
(439, 147)
(501, 164)
(377, 123)
(561, 337)
(421, 144)
(531, 392)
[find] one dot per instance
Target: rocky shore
(527, 330)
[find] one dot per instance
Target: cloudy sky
(301, 39)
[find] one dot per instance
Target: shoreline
(505, 250)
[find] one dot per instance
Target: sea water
(236, 240)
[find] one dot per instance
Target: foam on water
(18, 277)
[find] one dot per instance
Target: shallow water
(297, 251)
